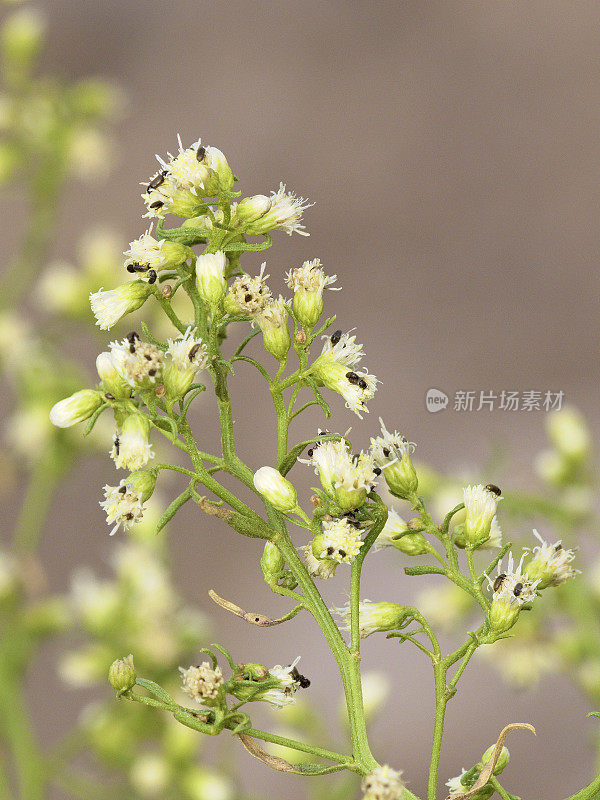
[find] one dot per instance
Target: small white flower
(185, 357)
(201, 682)
(390, 448)
(324, 568)
(393, 526)
(122, 505)
(188, 169)
(345, 477)
(139, 363)
(145, 252)
(249, 295)
(285, 212)
(455, 785)
(384, 783)
(310, 277)
(110, 305)
(512, 585)
(344, 350)
(336, 368)
(283, 695)
(131, 446)
(550, 564)
(341, 541)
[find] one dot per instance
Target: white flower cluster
(201, 682)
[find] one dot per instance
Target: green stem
(38, 497)
(590, 792)
(348, 665)
(293, 744)
(499, 788)
(441, 700)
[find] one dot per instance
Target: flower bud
(210, 273)
(272, 563)
(76, 408)
(142, 482)
(273, 323)
(112, 381)
(217, 162)
(252, 208)
(502, 762)
(374, 617)
(412, 544)
(308, 282)
(280, 493)
(111, 305)
(481, 503)
(121, 674)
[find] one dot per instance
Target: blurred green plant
(54, 131)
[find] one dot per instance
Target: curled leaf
(253, 618)
(488, 769)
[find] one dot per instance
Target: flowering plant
(149, 385)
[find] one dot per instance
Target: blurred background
(452, 154)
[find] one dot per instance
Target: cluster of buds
(249, 682)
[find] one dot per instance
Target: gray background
(452, 151)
